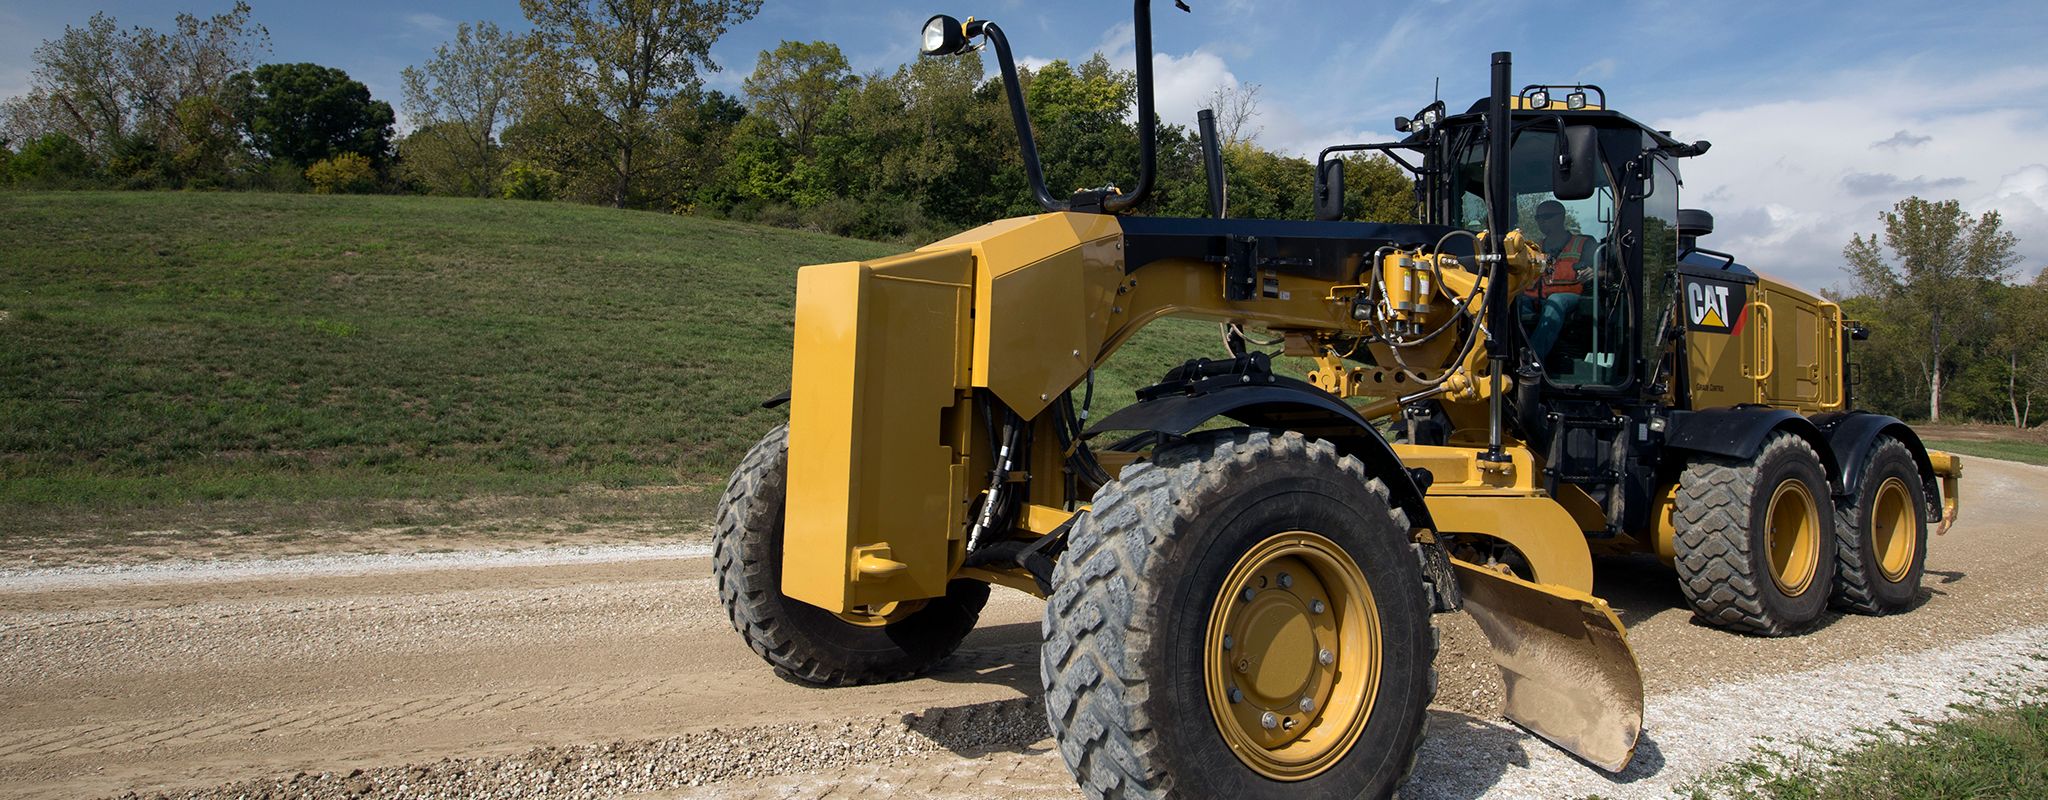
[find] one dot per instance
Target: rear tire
(1755, 538)
(1150, 586)
(1881, 534)
(804, 642)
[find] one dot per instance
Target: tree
(1237, 108)
(2020, 342)
(1377, 190)
(795, 84)
(460, 101)
(617, 63)
(139, 94)
(1942, 262)
(305, 113)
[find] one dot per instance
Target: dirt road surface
(603, 673)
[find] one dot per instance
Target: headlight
(943, 36)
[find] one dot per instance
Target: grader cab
(1240, 567)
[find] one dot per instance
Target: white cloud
(1185, 84)
(425, 24)
(2021, 200)
(1598, 70)
(1790, 181)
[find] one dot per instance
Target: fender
(1244, 389)
(1852, 434)
(1739, 432)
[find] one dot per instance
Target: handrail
(1034, 173)
(1148, 118)
(1764, 335)
(1833, 330)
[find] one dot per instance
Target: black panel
(1318, 250)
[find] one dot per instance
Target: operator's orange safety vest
(1564, 270)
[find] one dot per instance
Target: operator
(1555, 296)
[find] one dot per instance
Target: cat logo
(1715, 307)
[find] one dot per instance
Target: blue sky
(1821, 113)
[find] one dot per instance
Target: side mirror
(1577, 170)
(1330, 190)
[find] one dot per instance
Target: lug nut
(1249, 593)
(1286, 580)
(1308, 705)
(1227, 642)
(1236, 695)
(1316, 606)
(1270, 720)
(1326, 657)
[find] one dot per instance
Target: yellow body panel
(878, 467)
(1507, 505)
(1781, 347)
(1043, 289)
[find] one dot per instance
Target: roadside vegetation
(1983, 754)
(265, 361)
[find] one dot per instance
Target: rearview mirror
(1577, 170)
(1330, 190)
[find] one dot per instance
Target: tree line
(605, 102)
(1957, 330)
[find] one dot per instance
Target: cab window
(1574, 317)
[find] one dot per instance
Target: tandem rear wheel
(1755, 538)
(804, 642)
(1881, 534)
(1240, 616)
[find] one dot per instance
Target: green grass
(2012, 450)
(299, 361)
(1981, 754)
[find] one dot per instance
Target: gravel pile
(614, 768)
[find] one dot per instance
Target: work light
(944, 36)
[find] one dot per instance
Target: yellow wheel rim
(1793, 535)
(1892, 530)
(1292, 657)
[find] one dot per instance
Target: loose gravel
(614, 768)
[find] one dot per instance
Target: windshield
(1574, 317)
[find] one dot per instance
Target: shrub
(51, 161)
(525, 180)
(347, 173)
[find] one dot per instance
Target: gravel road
(609, 671)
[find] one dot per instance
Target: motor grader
(1242, 565)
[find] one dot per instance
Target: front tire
(804, 642)
(1881, 534)
(1755, 538)
(1321, 688)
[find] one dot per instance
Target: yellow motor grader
(1241, 566)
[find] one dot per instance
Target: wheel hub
(1793, 536)
(1893, 530)
(1292, 655)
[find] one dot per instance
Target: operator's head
(1550, 218)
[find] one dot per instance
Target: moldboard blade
(1565, 661)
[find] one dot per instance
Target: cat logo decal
(1715, 306)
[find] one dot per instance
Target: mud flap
(1565, 662)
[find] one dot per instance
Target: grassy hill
(263, 363)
